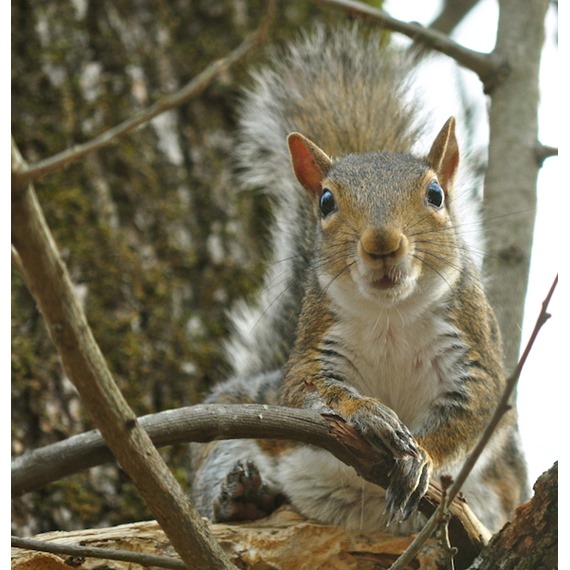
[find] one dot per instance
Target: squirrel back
(345, 90)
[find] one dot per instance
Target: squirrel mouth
(385, 282)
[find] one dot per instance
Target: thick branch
(208, 422)
(201, 423)
(50, 284)
(489, 67)
(512, 172)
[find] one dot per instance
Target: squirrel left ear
(310, 163)
(444, 154)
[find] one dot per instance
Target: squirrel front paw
(409, 478)
(409, 481)
(244, 496)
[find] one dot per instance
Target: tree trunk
(531, 540)
(510, 183)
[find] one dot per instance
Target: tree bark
(286, 541)
(531, 540)
(283, 541)
(156, 238)
(510, 183)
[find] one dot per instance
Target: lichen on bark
(157, 239)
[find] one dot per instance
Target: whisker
(333, 279)
(423, 261)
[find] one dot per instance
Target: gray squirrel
(373, 297)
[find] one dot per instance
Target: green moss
(133, 227)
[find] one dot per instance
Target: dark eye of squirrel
(435, 195)
(327, 203)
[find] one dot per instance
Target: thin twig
(97, 552)
(413, 549)
(192, 89)
(485, 65)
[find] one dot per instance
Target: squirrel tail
(346, 90)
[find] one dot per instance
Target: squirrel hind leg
(244, 495)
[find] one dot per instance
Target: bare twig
(97, 552)
(192, 89)
(488, 66)
(502, 407)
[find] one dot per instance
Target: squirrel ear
(444, 154)
(310, 163)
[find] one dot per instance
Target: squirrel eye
(435, 195)
(327, 203)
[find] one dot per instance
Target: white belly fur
(405, 365)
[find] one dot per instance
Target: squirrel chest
(404, 361)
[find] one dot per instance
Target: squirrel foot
(244, 496)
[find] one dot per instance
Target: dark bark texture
(157, 240)
(530, 542)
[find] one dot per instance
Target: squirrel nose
(378, 245)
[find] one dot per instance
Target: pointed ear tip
(294, 139)
(294, 135)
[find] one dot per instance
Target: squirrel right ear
(444, 154)
(310, 163)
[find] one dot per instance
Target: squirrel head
(385, 220)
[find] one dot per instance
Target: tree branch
(48, 279)
(200, 423)
(192, 89)
(544, 151)
(95, 552)
(512, 170)
(203, 423)
(490, 68)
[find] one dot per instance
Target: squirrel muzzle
(383, 258)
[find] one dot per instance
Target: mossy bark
(157, 239)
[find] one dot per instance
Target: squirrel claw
(409, 481)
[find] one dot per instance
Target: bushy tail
(342, 89)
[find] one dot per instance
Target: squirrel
(374, 298)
